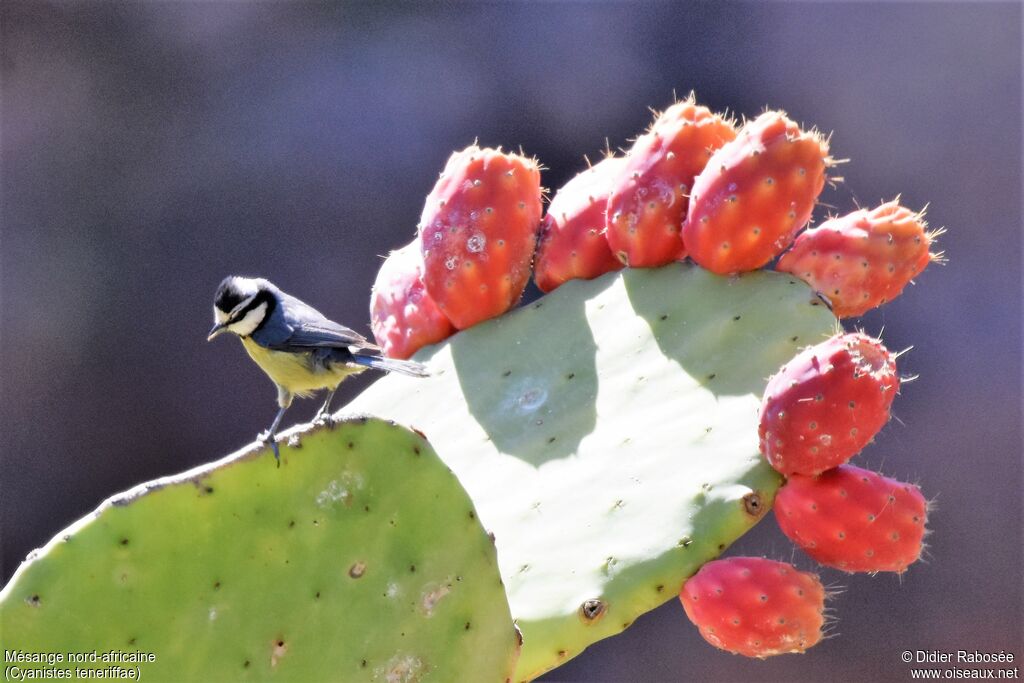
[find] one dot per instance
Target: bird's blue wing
(296, 325)
(329, 335)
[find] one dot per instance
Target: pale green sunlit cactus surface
(608, 436)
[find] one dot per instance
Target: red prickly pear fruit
(854, 519)
(572, 244)
(403, 317)
(755, 607)
(648, 203)
(754, 195)
(827, 403)
(477, 233)
(863, 259)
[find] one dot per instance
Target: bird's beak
(215, 330)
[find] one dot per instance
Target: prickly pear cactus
(361, 559)
(608, 435)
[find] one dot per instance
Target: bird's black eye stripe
(263, 297)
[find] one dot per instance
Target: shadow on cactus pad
(608, 436)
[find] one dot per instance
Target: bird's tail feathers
(404, 367)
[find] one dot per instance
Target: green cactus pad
(608, 435)
(360, 559)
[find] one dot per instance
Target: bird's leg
(284, 399)
(269, 437)
(323, 416)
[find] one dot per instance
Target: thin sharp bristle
(900, 353)
(833, 590)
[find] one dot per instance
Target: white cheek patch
(248, 324)
(220, 316)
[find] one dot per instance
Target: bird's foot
(270, 439)
(323, 419)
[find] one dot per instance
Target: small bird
(299, 348)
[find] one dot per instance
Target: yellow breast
(297, 372)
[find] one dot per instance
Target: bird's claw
(270, 439)
(323, 419)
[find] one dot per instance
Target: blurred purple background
(150, 149)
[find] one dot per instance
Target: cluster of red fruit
(821, 409)
(693, 185)
(731, 200)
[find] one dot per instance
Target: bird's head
(241, 305)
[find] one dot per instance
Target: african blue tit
(300, 349)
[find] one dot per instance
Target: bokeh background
(148, 149)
